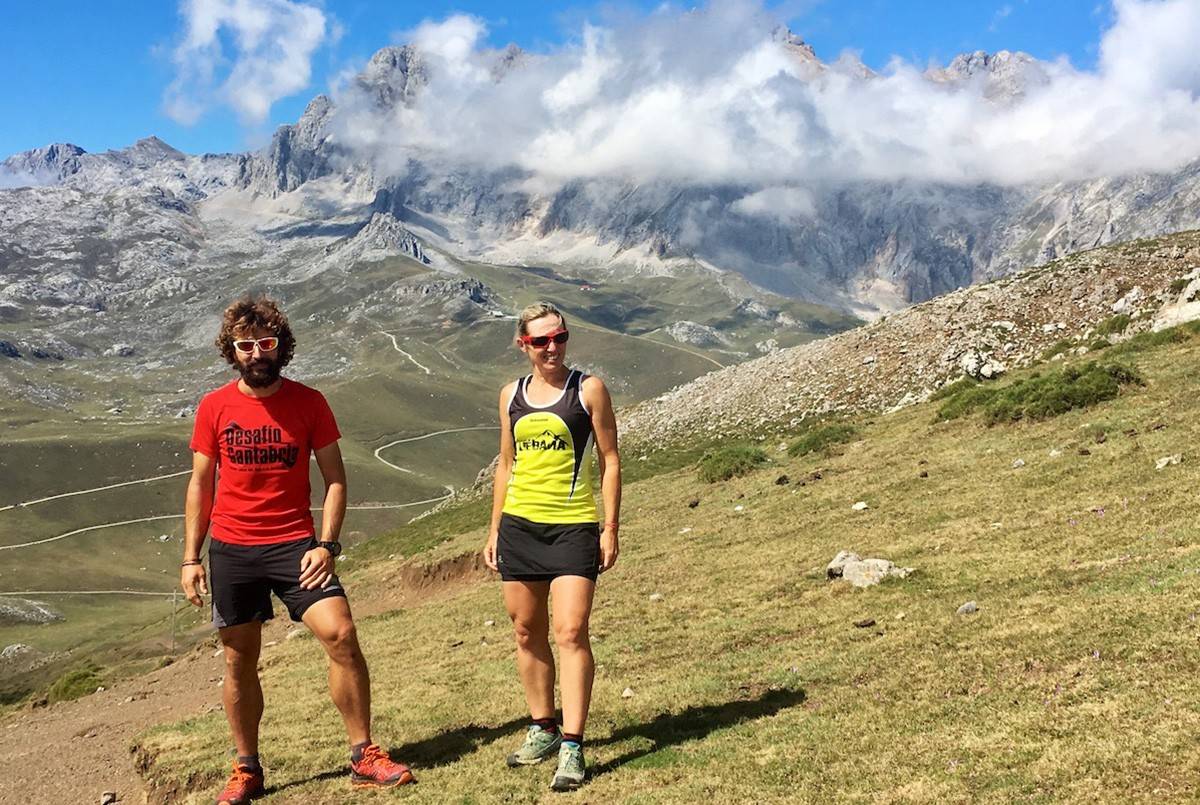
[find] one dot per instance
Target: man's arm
(197, 508)
(317, 565)
(333, 511)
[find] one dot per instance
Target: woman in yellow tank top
(544, 537)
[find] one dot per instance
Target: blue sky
(94, 73)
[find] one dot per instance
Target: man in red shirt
(259, 431)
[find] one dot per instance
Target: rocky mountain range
(1080, 304)
(88, 242)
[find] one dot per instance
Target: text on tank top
(551, 478)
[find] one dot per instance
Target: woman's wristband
(189, 562)
(613, 526)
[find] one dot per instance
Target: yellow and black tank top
(551, 479)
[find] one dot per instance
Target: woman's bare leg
(526, 602)
(572, 610)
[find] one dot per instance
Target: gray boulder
(18, 611)
(869, 572)
(837, 566)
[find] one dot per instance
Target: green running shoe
(571, 768)
(538, 746)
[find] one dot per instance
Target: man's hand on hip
(316, 568)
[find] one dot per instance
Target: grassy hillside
(756, 679)
(389, 397)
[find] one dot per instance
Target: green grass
(1150, 340)
(822, 437)
(954, 388)
(1083, 565)
(1041, 396)
(1057, 348)
(76, 683)
(386, 397)
(1114, 325)
(730, 461)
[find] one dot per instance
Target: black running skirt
(529, 551)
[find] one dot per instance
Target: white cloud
(12, 179)
(782, 203)
(451, 44)
(712, 95)
(245, 54)
(1001, 14)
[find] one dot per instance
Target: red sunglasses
(247, 345)
(540, 341)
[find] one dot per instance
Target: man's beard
(259, 374)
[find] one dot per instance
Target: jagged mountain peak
(49, 163)
(1006, 75)
(393, 75)
(318, 107)
(57, 151)
(391, 58)
(794, 43)
(965, 65)
(152, 148)
(510, 58)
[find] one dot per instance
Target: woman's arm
(604, 426)
(500, 480)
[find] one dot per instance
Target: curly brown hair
(255, 312)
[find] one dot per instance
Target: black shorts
(529, 551)
(242, 578)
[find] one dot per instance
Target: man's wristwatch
(334, 548)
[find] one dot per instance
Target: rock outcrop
(1005, 324)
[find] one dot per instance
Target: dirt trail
(72, 752)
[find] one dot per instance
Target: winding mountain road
(361, 507)
(396, 346)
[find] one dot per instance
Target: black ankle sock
(249, 762)
(547, 724)
(573, 738)
(356, 751)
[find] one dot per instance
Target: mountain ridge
(868, 247)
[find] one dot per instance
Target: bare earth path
(72, 752)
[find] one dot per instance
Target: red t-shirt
(262, 446)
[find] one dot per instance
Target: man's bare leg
(349, 681)
(241, 692)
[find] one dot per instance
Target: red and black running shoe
(243, 786)
(375, 769)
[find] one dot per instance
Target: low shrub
(1149, 340)
(821, 438)
(957, 387)
(965, 400)
(733, 461)
(1057, 348)
(75, 683)
(1114, 325)
(1178, 285)
(1042, 396)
